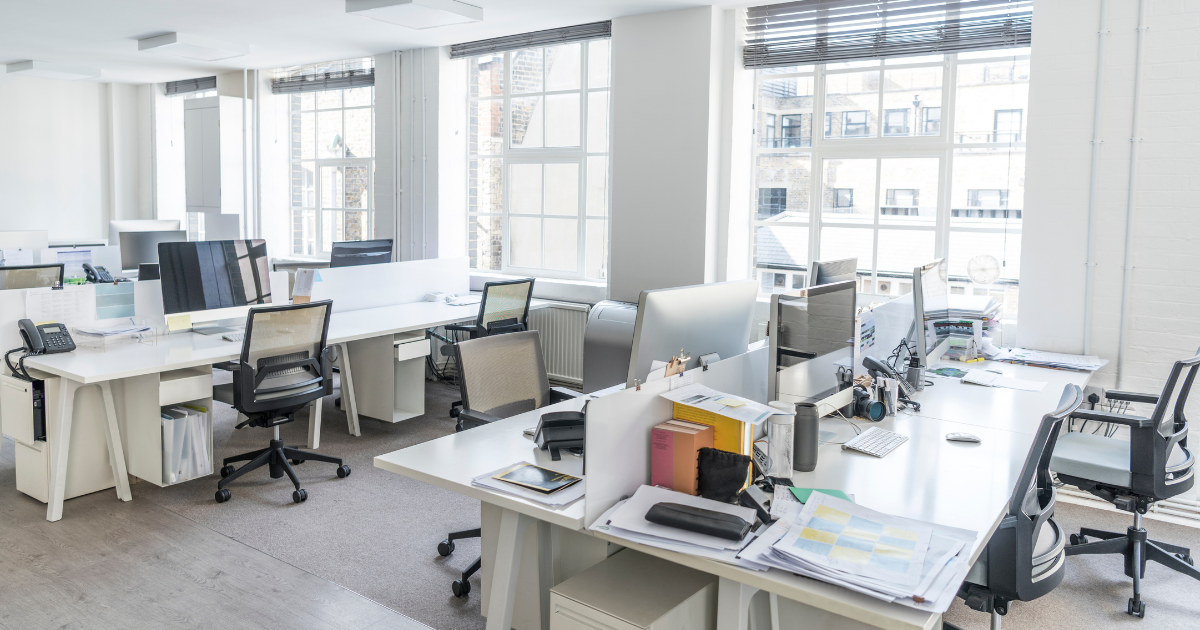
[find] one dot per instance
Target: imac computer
(353, 253)
(214, 280)
(142, 247)
(811, 336)
(931, 297)
(830, 271)
(30, 277)
(115, 228)
(701, 320)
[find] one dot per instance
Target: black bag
(722, 474)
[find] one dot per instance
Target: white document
(708, 399)
(728, 556)
(13, 257)
(465, 300)
(632, 517)
(71, 305)
(559, 499)
(993, 379)
(785, 505)
(304, 282)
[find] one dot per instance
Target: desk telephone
(97, 274)
(45, 338)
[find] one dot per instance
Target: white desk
(86, 367)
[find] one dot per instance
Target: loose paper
(701, 397)
(13, 257)
(302, 288)
(71, 305)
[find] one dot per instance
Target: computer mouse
(963, 437)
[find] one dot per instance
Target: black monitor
(30, 276)
(213, 280)
(354, 253)
(142, 247)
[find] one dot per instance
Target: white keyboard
(234, 336)
(875, 441)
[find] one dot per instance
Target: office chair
(1153, 465)
(829, 271)
(1026, 557)
(285, 365)
(504, 308)
(499, 376)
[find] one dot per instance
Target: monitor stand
(219, 330)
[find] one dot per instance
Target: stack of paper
(185, 436)
(126, 329)
(995, 379)
(464, 300)
(563, 497)
(734, 407)
(916, 564)
(1057, 360)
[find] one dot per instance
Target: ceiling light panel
(416, 14)
(193, 47)
(46, 70)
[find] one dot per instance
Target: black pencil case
(699, 520)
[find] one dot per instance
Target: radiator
(561, 327)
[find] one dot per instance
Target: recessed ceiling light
(418, 14)
(193, 47)
(48, 70)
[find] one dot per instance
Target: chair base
(276, 457)
(1137, 548)
(461, 587)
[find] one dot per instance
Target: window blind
(191, 85)
(548, 37)
(823, 31)
(334, 75)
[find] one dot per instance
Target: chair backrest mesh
(503, 375)
(281, 334)
(1034, 487)
(508, 300)
(1169, 412)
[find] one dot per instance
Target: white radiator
(561, 327)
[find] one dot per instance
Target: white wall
(1166, 238)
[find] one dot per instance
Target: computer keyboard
(234, 336)
(875, 441)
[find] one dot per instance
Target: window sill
(581, 291)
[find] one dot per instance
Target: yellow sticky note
(179, 322)
(730, 402)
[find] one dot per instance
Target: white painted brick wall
(1165, 309)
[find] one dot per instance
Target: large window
(920, 158)
(332, 164)
(538, 160)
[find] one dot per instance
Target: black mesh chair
(499, 377)
(285, 366)
(504, 308)
(1026, 556)
(1153, 465)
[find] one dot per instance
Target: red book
(674, 445)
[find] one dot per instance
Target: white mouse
(963, 437)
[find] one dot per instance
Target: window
(771, 201)
(797, 131)
(768, 137)
(332, 163)
(895, 204)
(1007, 125)
(895, 122)
(538, 160)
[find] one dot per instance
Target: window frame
(1015, 136)
(904, 129)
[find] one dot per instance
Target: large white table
(87, 367)
(928, 478)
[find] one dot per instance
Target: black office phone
(48, 338)
(97, 274)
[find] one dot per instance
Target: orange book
(674, 446)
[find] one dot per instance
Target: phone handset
(97, 274)
(32, 337)
(876, 367)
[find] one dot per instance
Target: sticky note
(731, 402)
(179, 322)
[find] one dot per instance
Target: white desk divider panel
(371, 286)
(617, 460)
(148, 301)
(107, 256)
(36, 240)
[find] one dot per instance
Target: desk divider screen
(372, 286)
(617, 459)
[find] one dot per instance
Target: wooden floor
(137, 565)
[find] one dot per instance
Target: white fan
(983, 269)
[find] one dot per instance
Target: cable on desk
(18, 370)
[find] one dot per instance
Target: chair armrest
(1150, 399)
(1133, 422)
(461, 327)
(560, 394)
(469, 419)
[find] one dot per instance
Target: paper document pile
(464, 300)
(894, 559)
(734, 407)
(994, 379)
(126, 329)
(558, 499)
(1038, 358)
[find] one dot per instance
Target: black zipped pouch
(699, 520)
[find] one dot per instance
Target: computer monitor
(810, 335)
(213, 280)
(139, 225)
(931, 298)
(701, 320)
(353, 253)
(830, 271)
(30, 277)
(142, 247)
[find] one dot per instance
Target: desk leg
(62, 446)
(546, 577)
(774, 611)
(733, 605)
(116, 451)
(348, 404)
(507, 566)
(314, 424)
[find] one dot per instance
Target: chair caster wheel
(223, 495)
(297, 462)
(343, 471)
(337, 402)
(300, 496)
(227, 470)
(445, 548)
(461, 588)
(454, 411)
(1186, 558)
(1078, 539)
(1137, 609)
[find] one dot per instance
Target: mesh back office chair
(827, 271)
(1155, 464)
(1026, 557)
(285, 365)
(504, 308)
(499, 376)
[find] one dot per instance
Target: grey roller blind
(334, 75)
(548, 37)
(823, 31)
(202, 84)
